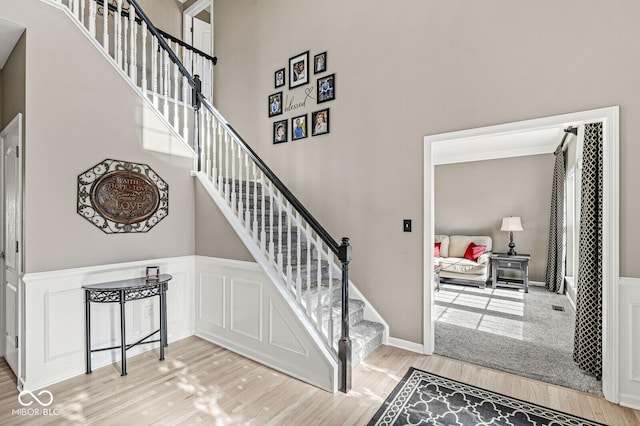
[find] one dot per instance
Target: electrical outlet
(148, 311)
(406, 225)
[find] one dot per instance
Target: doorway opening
(531, 137)
(197, 30)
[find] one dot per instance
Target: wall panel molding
(54, 312)
(250, 316)
(630, 342)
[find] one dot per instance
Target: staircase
(298, 255)
(320, 291)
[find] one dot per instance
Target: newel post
(344, 345)
(196, 103)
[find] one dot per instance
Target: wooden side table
(502, 262)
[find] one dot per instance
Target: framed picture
(327, 88)
(279, 77)
(280, 131)
(299, 70)
(299, 127)
(275, 104)
(320, 122)
(320, 63)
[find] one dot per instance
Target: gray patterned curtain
(587, 350)
(554, 278)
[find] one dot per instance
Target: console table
(122, 292)
(502, 262)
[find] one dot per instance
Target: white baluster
(289, 270)
(210, 80)
(118, 33)
(144, 58)
(92, 18)
(280, 232)
(240, 213)
(220, 159)
(154, 70)
(75, 9)
(125, 49)
(214, 169)
(271, 225)
(185, 110)
(165, 83)
(83, 8)
(227, 195)
(255, 202)
(247, 213)
(263, 233)
(330, 332)
(105, 24)
(133, 62)
(209, 147)
(319, 278)
(176, 120)
(298, 260)
(308, 236)
(234, 206)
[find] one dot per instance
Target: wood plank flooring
(201, 383)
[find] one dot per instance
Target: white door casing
(531, 137)
(11, 142)
(199, 34)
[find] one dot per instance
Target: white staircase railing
(291, 242)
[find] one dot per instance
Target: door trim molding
(481, 144)
(189, 13)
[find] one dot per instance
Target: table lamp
(511, 224)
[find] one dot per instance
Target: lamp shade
(511, 223)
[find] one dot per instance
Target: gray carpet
(511, 331)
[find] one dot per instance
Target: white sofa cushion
(444, 244)
(458, 244)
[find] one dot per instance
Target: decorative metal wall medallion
(120, 197)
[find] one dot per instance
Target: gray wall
(214, 236)
(472, 198)
(13, 83)
(414, 68)
(165, 15)
(81, 111)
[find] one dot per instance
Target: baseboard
(630, 401)
(54, 310)
(537, 283)
(406, 345)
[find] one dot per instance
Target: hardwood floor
(201, 383)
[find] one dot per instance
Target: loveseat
(475, 268)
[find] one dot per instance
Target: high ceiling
(9, 35)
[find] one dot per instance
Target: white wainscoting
(240, 309)
(630, 342)
(54, 317)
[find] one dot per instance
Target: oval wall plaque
(125, 196)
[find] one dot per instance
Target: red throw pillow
(436, 250)
(474, 252)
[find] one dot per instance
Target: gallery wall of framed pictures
(301, 95)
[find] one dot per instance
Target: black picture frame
(299, 129)
(326, 90)
(299, 70)
(279, 77)
(274, 104)
(320, 63)
(280, 138)
(319, 128)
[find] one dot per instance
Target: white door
(202, 40)
(10, 141)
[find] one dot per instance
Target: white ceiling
(9, 35)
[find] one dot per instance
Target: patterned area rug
(423, 398)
